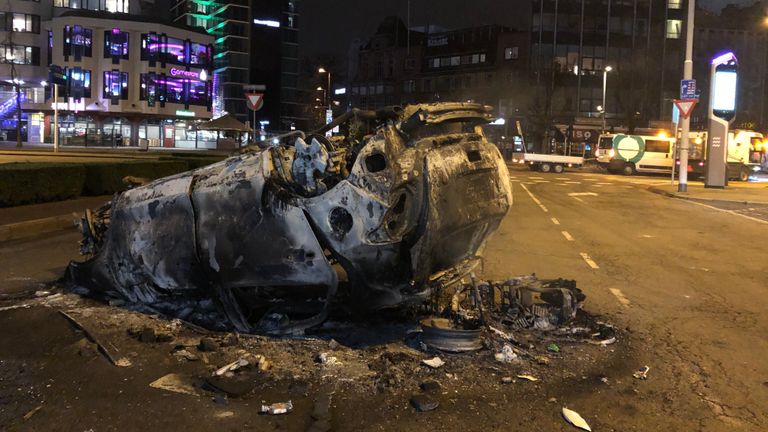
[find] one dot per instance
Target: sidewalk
(31, 220)
(735, 192)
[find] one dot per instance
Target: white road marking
(575, 194)
(555, 221)
(535, 178)
(514, 180)
(561, 178)
(592, 179)
(647, 236)
(541, 181)
(589, 261)
(578, 199)
(536, 200)
(603, 183)
(567, 236)
(562, 184)
(620, 296)
(727, 211)
(573, 182)
(597, 186)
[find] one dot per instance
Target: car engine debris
(265, 241)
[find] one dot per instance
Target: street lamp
(322, 70)
(605, 86)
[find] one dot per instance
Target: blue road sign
(688, 89)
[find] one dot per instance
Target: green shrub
(107, 178)
(29, 183)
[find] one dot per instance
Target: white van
(746, 153)
(630, 154)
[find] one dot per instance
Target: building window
(200, 55)
(185, 91)
(148, 89)
(78, 83)
(77, 42)
(115, 85)
(674, 29)
(116, 44)
(121, 6)
(674, 4)
(511, 53)
(19, 22)
(19, 54)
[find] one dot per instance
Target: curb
(656, 190)
(31, 228)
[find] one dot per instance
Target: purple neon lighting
(723, 58)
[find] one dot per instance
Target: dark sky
(329, 26)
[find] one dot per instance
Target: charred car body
(270, 236)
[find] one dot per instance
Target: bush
(107, 178)
(29, 183)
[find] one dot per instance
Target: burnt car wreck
(271, 237)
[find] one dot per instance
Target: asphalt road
(687, 283)
(691, 283)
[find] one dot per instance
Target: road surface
(687, 283)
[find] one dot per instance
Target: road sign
(255, 100)
(685, 107)
(688, 89)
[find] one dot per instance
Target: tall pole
(605, 87)
(328, 91)
(56, 118)
(408, 31)
(682, 185)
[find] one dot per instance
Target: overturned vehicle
(268, 238)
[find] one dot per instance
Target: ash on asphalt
(54, 378)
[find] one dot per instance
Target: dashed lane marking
(541, 181)
(536, 200)
(592, 179)
(620, 296)
(535, 178)
(603, 183)
(572, 182)
(567, 236)
(589, 260)
(575, 194)
(555, 221)
(578, 199)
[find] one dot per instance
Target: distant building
(396, 66)
(572, 42)
(256, 44)
(744, 32)
(129, 78)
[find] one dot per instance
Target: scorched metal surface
(270, 236)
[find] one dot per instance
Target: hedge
(30, 183)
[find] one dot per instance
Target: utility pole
(682, 185)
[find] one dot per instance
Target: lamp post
(682, 184)
(605, 87)
(322, 70)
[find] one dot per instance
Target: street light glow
(321, 70)
(608, 68)
(319, 88)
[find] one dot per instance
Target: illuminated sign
(725, 91)
(202, 75)
(268, 23)
(185, 113)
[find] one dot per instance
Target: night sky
(329, 26)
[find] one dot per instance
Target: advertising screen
(725, 91)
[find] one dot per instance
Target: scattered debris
(575, 419)
(507, 354)
(186, 355)
(507, 380)
(224, 414)
(175, 383)
(277, 408)
(434, 362)
(430, 386)
(424, 403)
(528, 377)
(553, 348)
(231, 367)
(92, 338)
(208, 345)
(604, 380)
(444, 335)
(32, 412)
(642, 373)
(328, 360)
